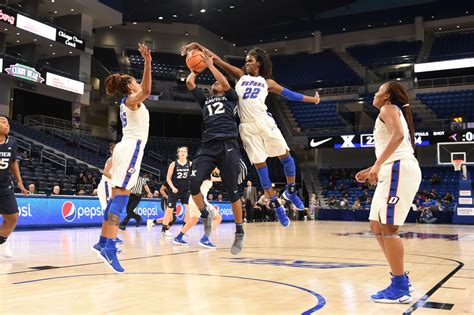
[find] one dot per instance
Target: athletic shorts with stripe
(104, 192)
(262, 139)
(398, 184)
(126, 161)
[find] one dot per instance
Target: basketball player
(104, 192)
(164, 201)
(128, 153)
(194, 213)
(8, 166)
(219, 148)
(397, 176)
(258, 130)
(177, 179)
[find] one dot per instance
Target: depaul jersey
(7, 157)
(180, 177)
(382, 137)
(252, 92)
(135, 123)
(218, 115)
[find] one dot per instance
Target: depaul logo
(69, 211)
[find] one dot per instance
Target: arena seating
(450, 103)
(452, 46)
(107, 57)
(323, 115)
(306, 71)
(386, 53)
(449, 182)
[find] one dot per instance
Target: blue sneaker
(179, 241)
(97, 248)
(282, 217)
(119, 241)
(396, 293)
(291, 195)
(205, 242)
(109, 256)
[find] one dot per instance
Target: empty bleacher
(452, 46)
(450, 103)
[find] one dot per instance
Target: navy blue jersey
(218, 115)
(180, 177)
(7, 156)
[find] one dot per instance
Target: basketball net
(457, 164)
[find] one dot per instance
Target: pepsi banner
(72, 211)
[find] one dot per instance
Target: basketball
(194, 61)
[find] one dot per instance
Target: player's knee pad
(118, 204)
(289, 166)
(195, 186)
(264, 178)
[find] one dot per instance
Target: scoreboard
(367, 140)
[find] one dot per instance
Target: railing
(67, 135)
(50, 156)
(52, 122)
(23, 144)
(155, 156)
(152, 170)
(447, 81)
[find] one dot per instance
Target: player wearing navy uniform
(8, 166)
(128, 153)
(397, 176)
(219, 148)
(177, 179)
(258, 130)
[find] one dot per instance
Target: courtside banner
(64, 211)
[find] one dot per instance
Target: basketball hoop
(457, 164)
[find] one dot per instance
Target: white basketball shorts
(126, 162)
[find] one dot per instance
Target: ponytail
(117, 83)
(399, 97)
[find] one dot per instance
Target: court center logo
(69, 211)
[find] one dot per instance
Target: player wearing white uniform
(104, 189)
(397, 176)
(258, 130)
(195, 214)
(128, 153)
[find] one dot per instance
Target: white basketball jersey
(382, 137)
(252, 92)
(135, 123)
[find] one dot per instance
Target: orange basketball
(194, 61)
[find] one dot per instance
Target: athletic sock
(180, 235)
(102, 240)
(155, 222)
(204, 213)
(164, 228)
(3, 239)
(239, 228)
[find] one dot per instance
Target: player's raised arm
(207, 58)
(191, 81)
(134, 99)
(290, 95)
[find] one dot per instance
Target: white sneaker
(149, 224)
(5, 251)
(168, 234)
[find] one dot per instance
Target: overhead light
(72, 10)
(187, 34)
(233, 45)
(35, 40)
(70, 52)
(203, 11)
(222, 37)
(55, 12)
(370, 25)
(276, 49)
(232, 6)
(52, 1)
(399, 21)
(160, 18)
(134, 23)
(17, 33)
(312, 33)
(440, 28)
(110, 26)
(6, 29)
(467, 12)
(17, 40)
(245, 51)
(457, 26)
(261, 41)
(50, 45)
(54, 53)
(286, 37)
(149, 29)
(175, 15)
(344, 29)
(190, 14)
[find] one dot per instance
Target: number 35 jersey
(218, 113)
(7, 157)
(252, 92)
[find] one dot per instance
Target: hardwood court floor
(311, 267)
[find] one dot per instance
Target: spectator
(210, 197)
(32, 189)
(433, 194)
(356, 205)
(333, 202)
(344, 204)
(81, 191)
(156, 194)
(219, 197)
(427, 216)
(80, 179)
(250, 195)
(91, 180)
(448, 197)
(313, 203)
(435, 180)
(56, 190)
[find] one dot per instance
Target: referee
(134, 200)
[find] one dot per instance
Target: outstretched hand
(207, 58)
(145, 52)
(317, 99)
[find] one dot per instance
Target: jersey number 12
(216, 108)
